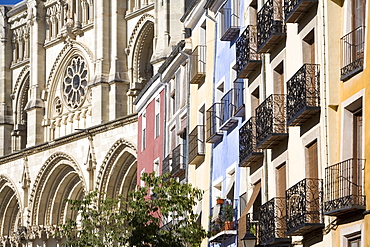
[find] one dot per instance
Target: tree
(159, 214)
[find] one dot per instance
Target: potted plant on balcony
(228, 213)
(219, 200)
(217, 225)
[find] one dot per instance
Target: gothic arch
(21, 96)
(69, 51)
(10, 208)
(59, 178)
(138, 27)
(142, 69)
(117, 174)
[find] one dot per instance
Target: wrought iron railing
(229, 22)
(294, 8)
(344, 186)
(196, 142)
(353, 48)
(198, 65)
(270, 117)
(178, 161)
(252, 224)
(166, 164)
(246, 50)
(231, 101)
(213, 122)
(272, 222)
(303, 90)
(247, 141)
(269, 22)
(304, 206)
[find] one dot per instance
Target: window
(157, 117)
(279, 79)
(173, 100)
(308, 48)
(281, 180)
(354, 241)
(255, 101)
(178, 86)
(156, 167)
(143, 133)
(312, 160)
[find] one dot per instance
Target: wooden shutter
(312, 161)
(281, 180)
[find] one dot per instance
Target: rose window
(75, 83)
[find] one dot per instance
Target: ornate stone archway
(59, 179)
(117, 175)
(10, 211)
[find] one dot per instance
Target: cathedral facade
(70, 71)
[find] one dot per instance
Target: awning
(256, 190)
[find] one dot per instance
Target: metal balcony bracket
(222, 236)
(295, 10)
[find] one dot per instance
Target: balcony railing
(294, 10)
(253, 223)
(166, 164)
(353, 47)
(271, 125)
(272, 223)
(229, 22)
(248, 152)
(344, 187)
(196, 145)
(213, 116)
(247, 58)
(232, 103)
(197, 68)
(220, 228)
(303, 98)
(270, 25)
(304, 207)
(178, 162)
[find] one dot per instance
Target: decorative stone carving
(75, 83)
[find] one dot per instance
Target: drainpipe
(213, 100)
(265, 162)
(325, 85)
(165, 115)
(187, 120)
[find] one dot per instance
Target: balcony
(229, 22)
(304, 207)
(353, 46)
(270, 25)
(197, 70)
(344, 188)
(303, 98)
(247, 58)
(166, 164)
(248, 153)
(232, 106)
(294, 10)
(213, 134)
(178, 162)
(272, 224)
(271, 125)
(196, 145)
(222, 222)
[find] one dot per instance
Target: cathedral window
(75, 83)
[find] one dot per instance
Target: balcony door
(312, 183)
(312, 161)
(357, 153)
(281, 180)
